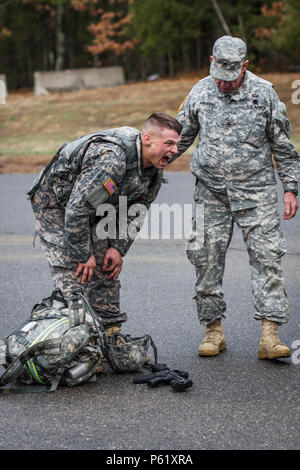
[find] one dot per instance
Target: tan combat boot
(270, 346)
(214, 340)
(111, 331)
(100, 368)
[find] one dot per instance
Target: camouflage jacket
(93, 170)
(238, 133)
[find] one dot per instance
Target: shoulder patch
(110, 186)
(181, 106)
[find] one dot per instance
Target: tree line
(167, 37)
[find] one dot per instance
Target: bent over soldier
(66, 197)
(241, 123)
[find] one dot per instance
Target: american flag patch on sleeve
(181, 106)
(110, 186)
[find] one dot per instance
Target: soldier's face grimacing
(159, 145)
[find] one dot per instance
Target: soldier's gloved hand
(88, 269)
(291, 205)
(112, 263)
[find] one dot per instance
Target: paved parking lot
(236, 402)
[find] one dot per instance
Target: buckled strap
(155, 352)
(56, 380)
(22, 340)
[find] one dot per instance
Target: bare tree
(221, 17)
(60, 37)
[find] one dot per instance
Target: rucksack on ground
(63, 343)
(57, 344)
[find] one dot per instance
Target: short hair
(163, 121)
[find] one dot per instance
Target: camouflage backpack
(123, 353)
(58, 344)
(64, 343)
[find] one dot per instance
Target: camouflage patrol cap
(229, 54)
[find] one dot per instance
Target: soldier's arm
(102, 170)
(188, 118)
(112, 263)
(135, 216)
(133, 224)
(285, 154)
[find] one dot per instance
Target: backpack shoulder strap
(15, 368)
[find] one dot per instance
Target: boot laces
(213, 336)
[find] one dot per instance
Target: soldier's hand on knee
(112, 263)
(291, 205)
(87, 269)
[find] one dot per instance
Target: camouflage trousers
(103, 294)
(265, 245)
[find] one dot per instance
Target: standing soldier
(69, 191)
(241, 123)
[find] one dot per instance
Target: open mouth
(164, 161)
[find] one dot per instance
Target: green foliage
(287, 38)
(170, 36)
(170, 26)
(164, 26)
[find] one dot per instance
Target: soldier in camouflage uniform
(241, 123)
(68, 195)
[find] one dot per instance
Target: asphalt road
(236, 402)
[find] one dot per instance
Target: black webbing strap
(56, 380)
(48, 301)
(15, 368)
(101, 333)
(98, 325)
(154, 349)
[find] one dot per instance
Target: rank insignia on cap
(110, 186)
(181, 106)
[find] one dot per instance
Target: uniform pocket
(209, 122)
(267, 242)
(194, 248)
(62, 179)
(41, 198)
(56, 254)
(275, 241)
(256, 128)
